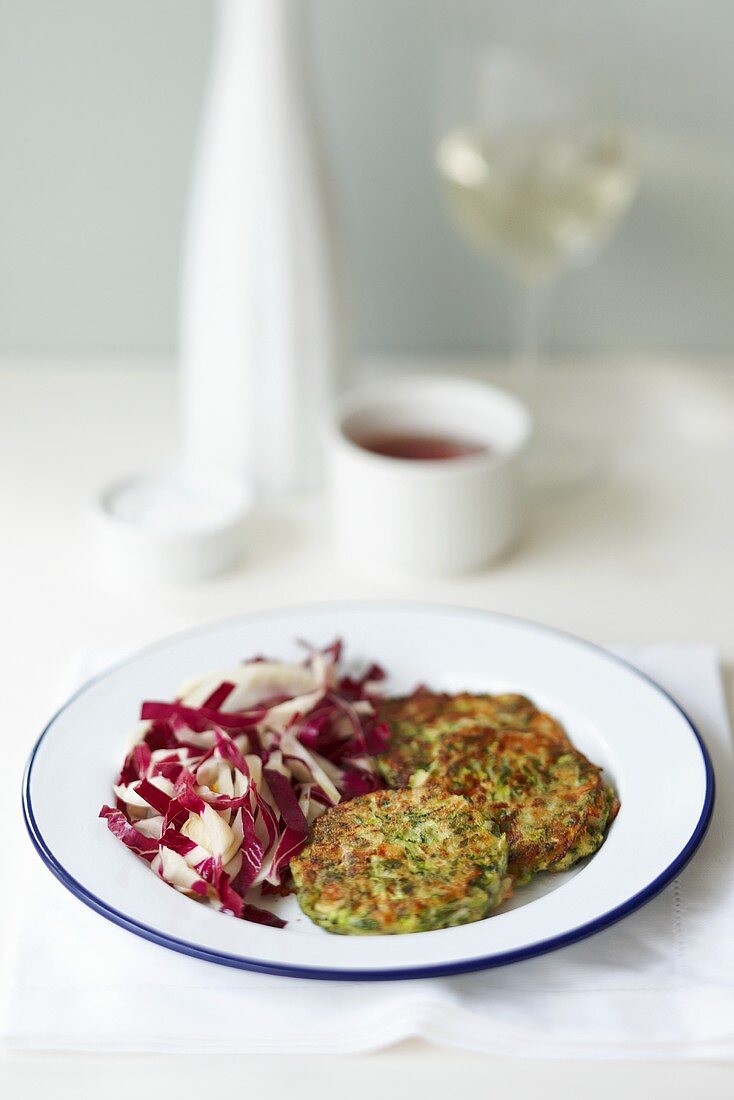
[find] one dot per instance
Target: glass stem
(531, 321)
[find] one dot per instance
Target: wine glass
(537, 175)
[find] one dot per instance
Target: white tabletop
(643, 555)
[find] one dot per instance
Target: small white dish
(439, 516)
(169, 527)
(620, 719)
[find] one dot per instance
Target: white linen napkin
(660, 984)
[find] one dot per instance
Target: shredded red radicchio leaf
(222, 784)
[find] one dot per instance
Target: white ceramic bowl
(169, 527)
(426, 516)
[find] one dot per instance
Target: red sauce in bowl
(418, 446)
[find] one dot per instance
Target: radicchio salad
(220, 787)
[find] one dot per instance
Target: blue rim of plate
(464, 966)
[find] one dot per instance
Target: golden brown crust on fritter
(548, 799)
(417, 722)
(401, 861)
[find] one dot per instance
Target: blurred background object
(260, 327)
(537, 175)
(532, 158)
(422, 472)
(94, 185)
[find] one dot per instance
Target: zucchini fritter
(401, 861)
(546, 797)
(418, 721)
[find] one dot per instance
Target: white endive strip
(132, 798)
(255, 766)
(260, 828)
(241, 784)
(299, 771)
(309, 807)
(323, 669)
(150, 826)
(264, 871)
(204, 740)
(265, 680)
(167, 754)
(317, 765)
(175, 870)
(217, 776)
(280, 715)
(232, 868)
(253, 683)
(212, 833)
(315, 809)
(138, 732)
(275, 763)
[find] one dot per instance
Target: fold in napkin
(660, 984)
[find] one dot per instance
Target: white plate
(619, 718)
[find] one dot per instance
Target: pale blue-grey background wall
(98, 108)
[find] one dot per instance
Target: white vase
(259, 327)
